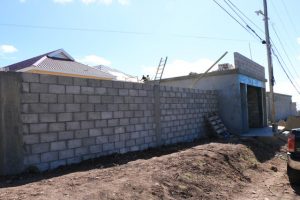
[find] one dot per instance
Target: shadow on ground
(98, 163)
(263, 148)
(296, 188)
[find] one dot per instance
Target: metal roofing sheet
(70, 67)
(26, 63)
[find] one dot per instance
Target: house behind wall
(241, 93)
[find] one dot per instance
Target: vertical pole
(250, 51)
(157, 114)
(270, 64)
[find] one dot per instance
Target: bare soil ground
(241, 169)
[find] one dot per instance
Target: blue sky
(132, 35)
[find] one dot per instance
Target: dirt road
(271, 182)
(243, 169)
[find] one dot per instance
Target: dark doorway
(255, 107)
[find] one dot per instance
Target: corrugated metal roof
(59, 62)
(121, 76)
(107, 69)
(25, 63)
(70, 67)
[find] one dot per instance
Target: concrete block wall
(66, 120)
(182, 113)
(284, 106)
(248, 67)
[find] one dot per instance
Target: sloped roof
(117, 73)
(57, 61)
(69, 67)
(25, 63)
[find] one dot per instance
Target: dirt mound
(206, 172)
(209, 171)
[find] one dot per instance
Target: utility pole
(270, 64)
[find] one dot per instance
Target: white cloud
(22, 1)
(124, 2)
(94, 60)
(5, 48)
(180, 68)
(88, 1)
(285, 87)
(62, 1)
(105, 2)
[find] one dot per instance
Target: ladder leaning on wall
(160, 70)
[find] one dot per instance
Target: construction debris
(217, 125)
(292, 122)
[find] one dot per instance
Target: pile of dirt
(207, 171)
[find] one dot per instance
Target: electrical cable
(235, 11)
(243, 20)
(72, 29)
(281, 43)
(247, 26)
(289, 16)
(284, 70)
(284, 63)
(255, 33)
(282, 46)
(245, 16)
(233, 17)
(119, 32)
(283, 25)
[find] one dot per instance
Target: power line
(278, 56)
(245, 16)
(242, 19)
(281, 43)
(232, 17)
(247, 27)
(285, 71)
(255, 33)
(235, 11)
(283, 24)
(209, 38)
(72, 29)
(282, 46)
(284, 63)
(118, 32)
(289, 16)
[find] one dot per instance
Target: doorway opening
(255, 107)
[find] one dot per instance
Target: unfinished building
(241, 92)
(284, 107)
